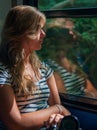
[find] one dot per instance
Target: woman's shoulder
(5, 76)
(4, 68)
(45, 65)
(4, 71)
(46, 69)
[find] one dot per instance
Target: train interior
(71, 34)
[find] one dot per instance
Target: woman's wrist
(59, 107)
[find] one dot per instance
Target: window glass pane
(70, 48)
(4, 8)
(63, 4)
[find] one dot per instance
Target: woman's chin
(39, 48)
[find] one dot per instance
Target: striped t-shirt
(73, 82)
(36, 101)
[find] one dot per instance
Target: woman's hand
(54, 119)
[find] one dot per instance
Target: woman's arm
(59, 82)
(54, 95)
(10, 115)
(90, 89)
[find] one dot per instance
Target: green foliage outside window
(62, 4)
(86, 44)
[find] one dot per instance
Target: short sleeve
(5, 77)
(47, 70)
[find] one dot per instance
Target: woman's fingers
(53, 120)
(50, 120)
(57, 119)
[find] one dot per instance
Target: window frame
(72, 13)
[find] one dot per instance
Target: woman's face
(31, 44)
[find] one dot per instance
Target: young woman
(28, 94)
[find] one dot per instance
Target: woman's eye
(44, 29)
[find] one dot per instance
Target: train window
(4, 9)
(62, 4)
(70, 48)
(70, 45)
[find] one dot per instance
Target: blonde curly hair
(20, 22)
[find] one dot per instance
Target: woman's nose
(43, 34)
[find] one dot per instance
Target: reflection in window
(70, 48)
(62, 4)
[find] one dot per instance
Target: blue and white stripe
(36, 101)
(73, 82)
